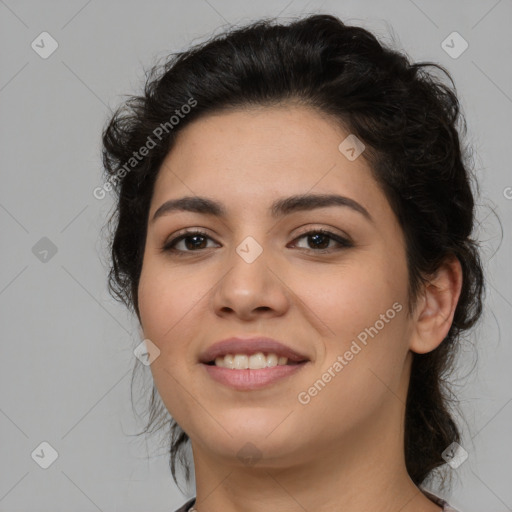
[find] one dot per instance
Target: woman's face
(257, 273)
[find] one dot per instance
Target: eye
(196, 240)
(320, 240)
(192, 240)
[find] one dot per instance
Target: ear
(433, 315)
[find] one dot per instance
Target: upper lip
(250, 346)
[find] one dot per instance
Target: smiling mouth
(250, 373)
(257, 361)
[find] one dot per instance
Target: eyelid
(343, 240)
(326, 229)
(183, 233)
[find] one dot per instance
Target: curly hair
(409, 121)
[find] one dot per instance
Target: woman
(293, 231)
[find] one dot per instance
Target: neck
(367, 469)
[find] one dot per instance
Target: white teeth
(241, 362)
(272, 360)
(257, 361)
(253, 362)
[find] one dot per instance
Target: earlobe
(436, 307)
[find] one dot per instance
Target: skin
(344, 449)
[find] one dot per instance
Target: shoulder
(187, 505)
(448, 508)
(439, 501)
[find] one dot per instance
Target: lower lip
(246, 380)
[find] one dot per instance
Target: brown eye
(192, 241)
(319, 240)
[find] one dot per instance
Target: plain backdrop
(67, 347)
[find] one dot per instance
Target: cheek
(154, 297)
(173, 303)
(350, 297)
(165, 299)
(362, 308)
(166, 304)
(363, 352)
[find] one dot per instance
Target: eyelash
(343, 242)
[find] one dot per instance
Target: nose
(251, 290)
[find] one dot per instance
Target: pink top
(436, 499)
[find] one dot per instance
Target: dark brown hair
(409, 121)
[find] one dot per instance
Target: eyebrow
(279, 208)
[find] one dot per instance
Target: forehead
(250, 157)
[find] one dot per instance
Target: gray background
(67, 346)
